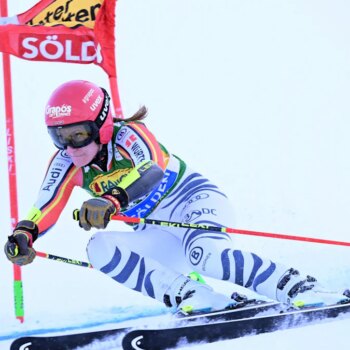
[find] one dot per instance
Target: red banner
(75, 31)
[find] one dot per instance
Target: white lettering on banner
(55, 49)
(70, 56)
(98, 54)
(34, 51)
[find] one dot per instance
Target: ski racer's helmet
(77, 113)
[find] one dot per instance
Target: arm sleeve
(136, 142)
(139, 144)
(139, 182)
(60, 179)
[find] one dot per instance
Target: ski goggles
(74, 135)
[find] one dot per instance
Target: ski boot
(300, 292)
(189, 296)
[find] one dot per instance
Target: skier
(126, 170)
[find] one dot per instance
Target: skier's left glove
(97, 212)
(19, 246)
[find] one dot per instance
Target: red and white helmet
(79, 101)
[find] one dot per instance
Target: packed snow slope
(254, 94)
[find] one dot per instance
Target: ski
(249, 308)
(161, 339)
(64, 342)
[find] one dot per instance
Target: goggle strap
(102, 116)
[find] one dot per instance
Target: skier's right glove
(97, 212)
(19, 246)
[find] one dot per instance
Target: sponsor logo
(86, 98)
(136, 343)
(183, 286)
(60, 48)
(105, 110)
(96, 103)
(59, 111)
(70, 261)
(196, 255)
(25, 346)
(135, 147)
(121, 133)
(196, 198)
(195, 214)
(68, 12)
(103, 183)
(117, 156)
(130, 141)
(138, 152)
(10, 150)
(64, 154)
(141, 209)
(209, 211)
(204, 265)
(61, 165)
(54, 174)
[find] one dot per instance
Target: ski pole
(133, 220)
(64, 260)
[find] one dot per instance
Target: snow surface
(262, 88)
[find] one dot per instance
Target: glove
(97, 212)
(18, 247)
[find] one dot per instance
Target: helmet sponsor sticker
(96, 103)
(86, 98)
(104, 113)
(58, 111)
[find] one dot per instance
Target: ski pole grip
(76, 214)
